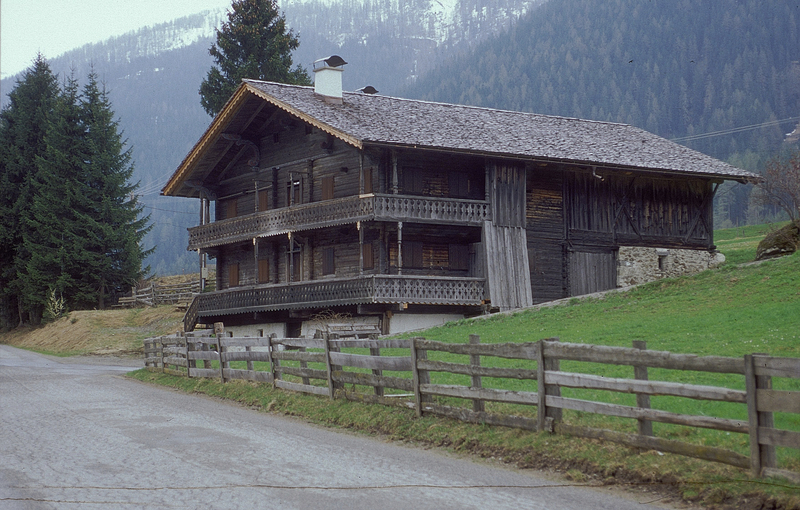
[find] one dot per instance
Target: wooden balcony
(337, 292)
(447, 211)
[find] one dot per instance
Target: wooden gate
(592, 271)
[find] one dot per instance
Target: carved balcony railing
(338, 212)
(336, 292)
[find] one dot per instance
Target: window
(328, 261)
(263, 271)
(231, 208)
(368, 180)
(327, 187)
(458, 184)
(368, 256)
(263, 200)
(233, 275)
(294, 192)
(412, 254)
(459, 257)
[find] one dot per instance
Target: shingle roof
(364, 119)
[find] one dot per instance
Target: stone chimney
(328, 78)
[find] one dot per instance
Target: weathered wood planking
(371, 344)
(776, 367)
(510, 350)
(398, 383)
(208, 373)
(596, 382)
(457, 368)
(778, 437)
(775, 401)
(245, 356)
(659, 444)
(247, 375)
(302, 372)
(313, 357)
(708, 422)
(654, 359)
(507, 396)
(371, 362)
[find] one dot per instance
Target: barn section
(590, 229)
(407, 213)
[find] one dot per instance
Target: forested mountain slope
(677, 68)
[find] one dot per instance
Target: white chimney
(328, 78)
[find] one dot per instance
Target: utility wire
(733, 130)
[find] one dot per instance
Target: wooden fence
(180, 355)
(162, 294)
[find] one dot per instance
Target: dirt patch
(106, 332)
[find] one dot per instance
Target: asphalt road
(76, 434)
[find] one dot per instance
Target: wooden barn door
(592, 272)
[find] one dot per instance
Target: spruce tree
(23, 125)
(53, 224)
(255, 44)
(111, 214)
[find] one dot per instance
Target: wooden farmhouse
(407, 214)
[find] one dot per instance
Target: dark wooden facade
(307, 219)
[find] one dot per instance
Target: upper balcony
(373, 207)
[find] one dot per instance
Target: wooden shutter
(233, 275)
(263, 271)
(368, 180)
(458, 184)
(230, 208)
(412, 254)
(459, 257)
(297, 262)
(263, 200)
(328, 261)
(368, 256)
(327, 187)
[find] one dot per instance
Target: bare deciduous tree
(780, 185)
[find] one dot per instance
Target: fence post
(219, 331)
(761, 456)
(161, 341)
(478, 406)
(417, 374)
(547, 416)
(376, 351)
(329, 366)
(642, 401)
(274, 362)
(304, 364)
(190, 363)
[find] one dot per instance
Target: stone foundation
(637, 265)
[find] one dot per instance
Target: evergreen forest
(722, 76)
(71, 227)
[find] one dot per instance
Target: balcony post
(399, 247)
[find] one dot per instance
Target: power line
(733, 130)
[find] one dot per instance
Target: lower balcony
(389, 289)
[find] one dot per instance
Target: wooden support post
(541, 410)
(761, 455)
(642, 401)
(478, 406)
(163, 366)
(376, 351)
(554, 365)
(219, 332)
(206, 362)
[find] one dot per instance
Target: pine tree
(23, 125)
(255, 44)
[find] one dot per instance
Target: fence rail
(334, 369)
(159, 294)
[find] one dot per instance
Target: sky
(53, 27)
